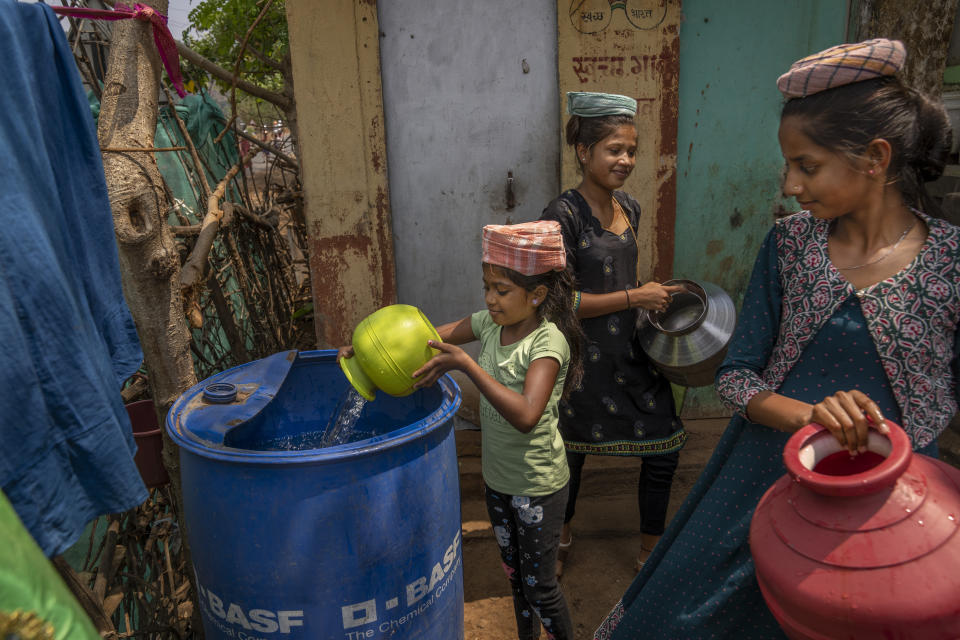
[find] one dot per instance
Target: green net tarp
(204, 121)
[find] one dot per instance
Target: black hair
(590, 131)
(557, 307)
(846, 119)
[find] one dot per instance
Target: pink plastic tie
(166, 45)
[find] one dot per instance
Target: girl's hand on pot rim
(847, 415)
(654, 296)
(345, 352)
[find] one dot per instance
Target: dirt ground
(606, 535)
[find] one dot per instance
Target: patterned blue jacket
(911, 316)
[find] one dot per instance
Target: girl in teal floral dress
(850, 316)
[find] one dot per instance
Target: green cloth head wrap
(590, 104)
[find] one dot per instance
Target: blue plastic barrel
(355, 541)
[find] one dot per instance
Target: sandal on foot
(562, 552)
(640, 563)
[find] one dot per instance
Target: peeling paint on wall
(340, 112)
(669, 71)
(728, 189)
(632, 49)
(385, 244)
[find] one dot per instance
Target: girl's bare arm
(522, 410)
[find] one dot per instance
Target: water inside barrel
(340, 428)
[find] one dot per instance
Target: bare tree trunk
(149, 263)
(924, 26)
(290, 111)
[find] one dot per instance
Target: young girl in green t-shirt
(528, 333)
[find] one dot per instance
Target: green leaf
(219, 26)
(302, 311)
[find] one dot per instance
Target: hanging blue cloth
(67, 340)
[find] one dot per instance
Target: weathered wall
(336, 69)
(729, 160)
(631, 49)
(470, 95)
(470, 92)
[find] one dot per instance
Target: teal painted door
(728, 158)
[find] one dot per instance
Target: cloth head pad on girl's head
(528, 248)
(840, 65)
(590, 104)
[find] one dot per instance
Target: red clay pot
(844, 549)
(146, 433)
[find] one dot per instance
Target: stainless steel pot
(687, 341)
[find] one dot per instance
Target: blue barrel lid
(208, 410)
(200, 426)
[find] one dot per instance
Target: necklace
(886, 253)
(617, 214)
(616, 205)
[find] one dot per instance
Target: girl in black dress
(623, 407)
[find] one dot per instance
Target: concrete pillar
(336, 71)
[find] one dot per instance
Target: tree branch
(236, 67)
(92, 605)
(204, 186)
(280, 100)
(135, 389)
(254, 218)
(288, 160)
(262, 57)
(195, 264)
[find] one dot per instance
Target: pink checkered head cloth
(840, 65)
(528, 248)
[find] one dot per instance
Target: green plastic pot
(388, 346)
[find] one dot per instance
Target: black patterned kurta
(623, 406)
